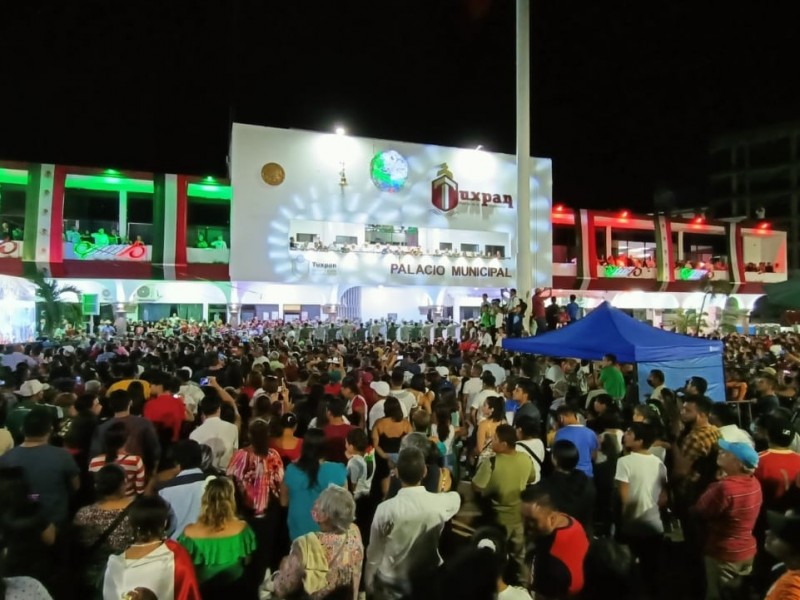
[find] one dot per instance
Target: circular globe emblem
(388, 171)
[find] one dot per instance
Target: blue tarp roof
(609, 330)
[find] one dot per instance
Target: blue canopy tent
(609, 330)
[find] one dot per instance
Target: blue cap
(746, 455)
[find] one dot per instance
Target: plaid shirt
(699, 442)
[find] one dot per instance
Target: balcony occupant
(219, 244)
(101, 238)
(73, 235)
(201, 241)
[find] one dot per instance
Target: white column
(524, 257)
(123, 214)
(680, 248)
(609, 241)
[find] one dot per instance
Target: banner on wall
(443, 199)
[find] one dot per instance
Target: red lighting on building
(624, 214)
(699, 220)
(559, 208)
(763, 225)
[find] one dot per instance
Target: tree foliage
(55, 308)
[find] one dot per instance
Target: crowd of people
(187, 464)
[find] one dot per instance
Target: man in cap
(783, 542)
(728, 509)
(382, 391)
(31, 393)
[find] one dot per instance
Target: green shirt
(223, 556)
(613, 382)
(503, 482)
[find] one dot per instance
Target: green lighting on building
(108, 184)
(216, 192)
(14, 176)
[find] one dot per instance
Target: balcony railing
(208, 255)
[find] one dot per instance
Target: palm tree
(54, 306)
(712, 288)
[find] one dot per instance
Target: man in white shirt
(656, 381)
(471, 386)
(407, 400)
(554, 373)
(495, 369)
(641, 480)
(222, 437)
(190, 392)
(489, 389)
(404, 539)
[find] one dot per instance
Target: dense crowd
(191, 461)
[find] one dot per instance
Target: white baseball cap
(381, 388)
(68, 350)
(443, 371)
(31, 388)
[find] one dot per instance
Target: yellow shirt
(123, 385)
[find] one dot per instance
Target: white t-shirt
(537, 447)
(377, 412)
(478, 400)
(514, 593)
(472, 386)
(645, 475)
(496, 370)
(359, 475)
(406, 398)
(554, 373)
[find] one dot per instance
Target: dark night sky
(625, 94)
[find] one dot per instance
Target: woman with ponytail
(219, 543)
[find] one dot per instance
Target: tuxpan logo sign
(444, 190)
(445, 195)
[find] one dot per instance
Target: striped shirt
(729, 509)
(133, 467)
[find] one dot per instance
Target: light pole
(524, 257)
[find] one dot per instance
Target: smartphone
(203, 381)
(2, 382)
(78, 380)
(399, 357)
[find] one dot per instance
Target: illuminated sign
(10, 249)
(687, 274)
(90, 251)
(454, 270)
(612, 271)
